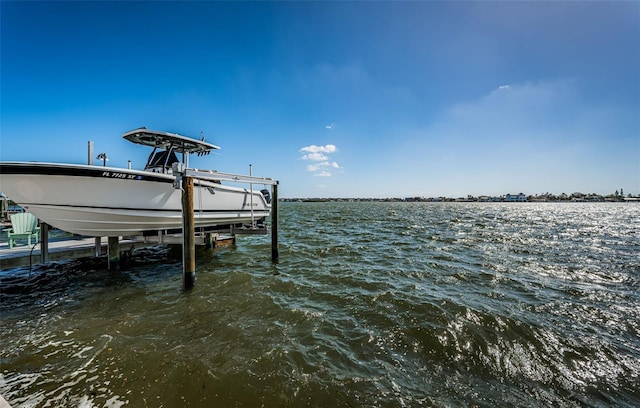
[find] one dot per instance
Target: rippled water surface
(371, 305)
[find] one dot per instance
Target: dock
(24, 255)
(84, 247)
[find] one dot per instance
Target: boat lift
(185, 182)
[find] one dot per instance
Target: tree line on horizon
(617, 196)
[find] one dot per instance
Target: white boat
(107, 201)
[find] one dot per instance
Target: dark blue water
(371, 305)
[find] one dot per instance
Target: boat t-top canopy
(168, 141)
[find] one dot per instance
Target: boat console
(161, 162)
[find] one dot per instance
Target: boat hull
(103, 201)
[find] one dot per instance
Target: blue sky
(337, 99)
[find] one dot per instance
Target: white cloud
(319, 155)
(315, 157)
(330, 126)
(318, 166)
(319, 149)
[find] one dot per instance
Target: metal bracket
(178, 171)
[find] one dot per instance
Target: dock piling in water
(113, 253)
(44, 242)
(209, 240)
(275, 256)
(188, 235)
(98, 246)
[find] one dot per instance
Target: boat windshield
(161, 162)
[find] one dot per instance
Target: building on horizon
(520, 198)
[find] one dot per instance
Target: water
(371, 305)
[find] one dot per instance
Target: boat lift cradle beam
(217, 176)
(184, 181)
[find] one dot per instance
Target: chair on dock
(23, 225)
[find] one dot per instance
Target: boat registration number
(113, 174)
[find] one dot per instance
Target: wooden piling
(188, 235)
(209, 240)
(275, 256)
(113, 251)
(98, 246)
(44, 242)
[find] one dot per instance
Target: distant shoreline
(466, 200)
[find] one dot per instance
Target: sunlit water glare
(371, 305)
